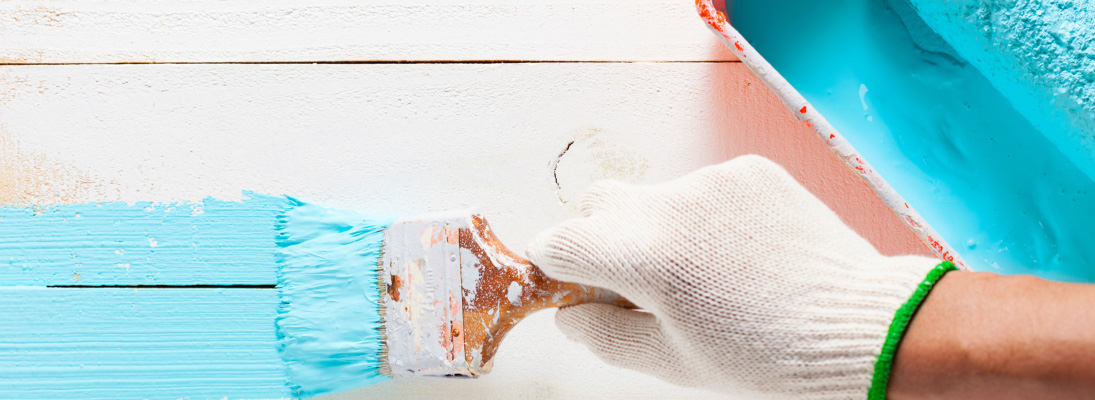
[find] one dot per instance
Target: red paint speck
(803, 110)
(935, 245)
(831, 136)
(739, 46)
(705, 13)
(715, 19)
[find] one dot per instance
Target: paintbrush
(363, 299)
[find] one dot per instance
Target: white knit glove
(748, 285)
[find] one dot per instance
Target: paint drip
(938, 96)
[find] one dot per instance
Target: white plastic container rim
(718, 22)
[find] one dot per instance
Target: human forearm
(986, 336)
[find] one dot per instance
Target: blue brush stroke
(318, 333)
(112, 343)
(329, 318)
(211, 242)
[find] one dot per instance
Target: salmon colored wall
(776, 134)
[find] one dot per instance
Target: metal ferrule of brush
(450, 291)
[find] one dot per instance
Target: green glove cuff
(884, 365)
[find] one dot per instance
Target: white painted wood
(388, 139)
(110, 31)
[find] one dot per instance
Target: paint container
(936, 126)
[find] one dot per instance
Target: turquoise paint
(1040, 54)
(209, 242)
(113, 343)
(318, 333)
(329, 319)
(986, 177)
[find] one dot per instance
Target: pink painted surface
(771, 130)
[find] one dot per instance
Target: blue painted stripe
(139, 344)
(212, 242)
(188, 343)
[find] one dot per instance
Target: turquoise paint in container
(979, 113)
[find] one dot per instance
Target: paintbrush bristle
(382, 284)
(329, 323)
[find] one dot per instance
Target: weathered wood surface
(516, 139)
(72, 31)
(390, 139)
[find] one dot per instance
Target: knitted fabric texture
(748, 283)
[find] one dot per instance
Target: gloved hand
(748, 284)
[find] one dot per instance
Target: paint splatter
(714, 18)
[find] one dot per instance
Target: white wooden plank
(73, 31)
(390, 139)
(396, 139)
(386, 138)
(403, 138)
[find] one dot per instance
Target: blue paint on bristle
(329, 322)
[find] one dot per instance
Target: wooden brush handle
(508, 288)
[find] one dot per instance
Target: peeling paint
(513, 293)
(31, 179)
(423, 307)
(449, 314)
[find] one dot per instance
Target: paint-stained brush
(363, 299)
